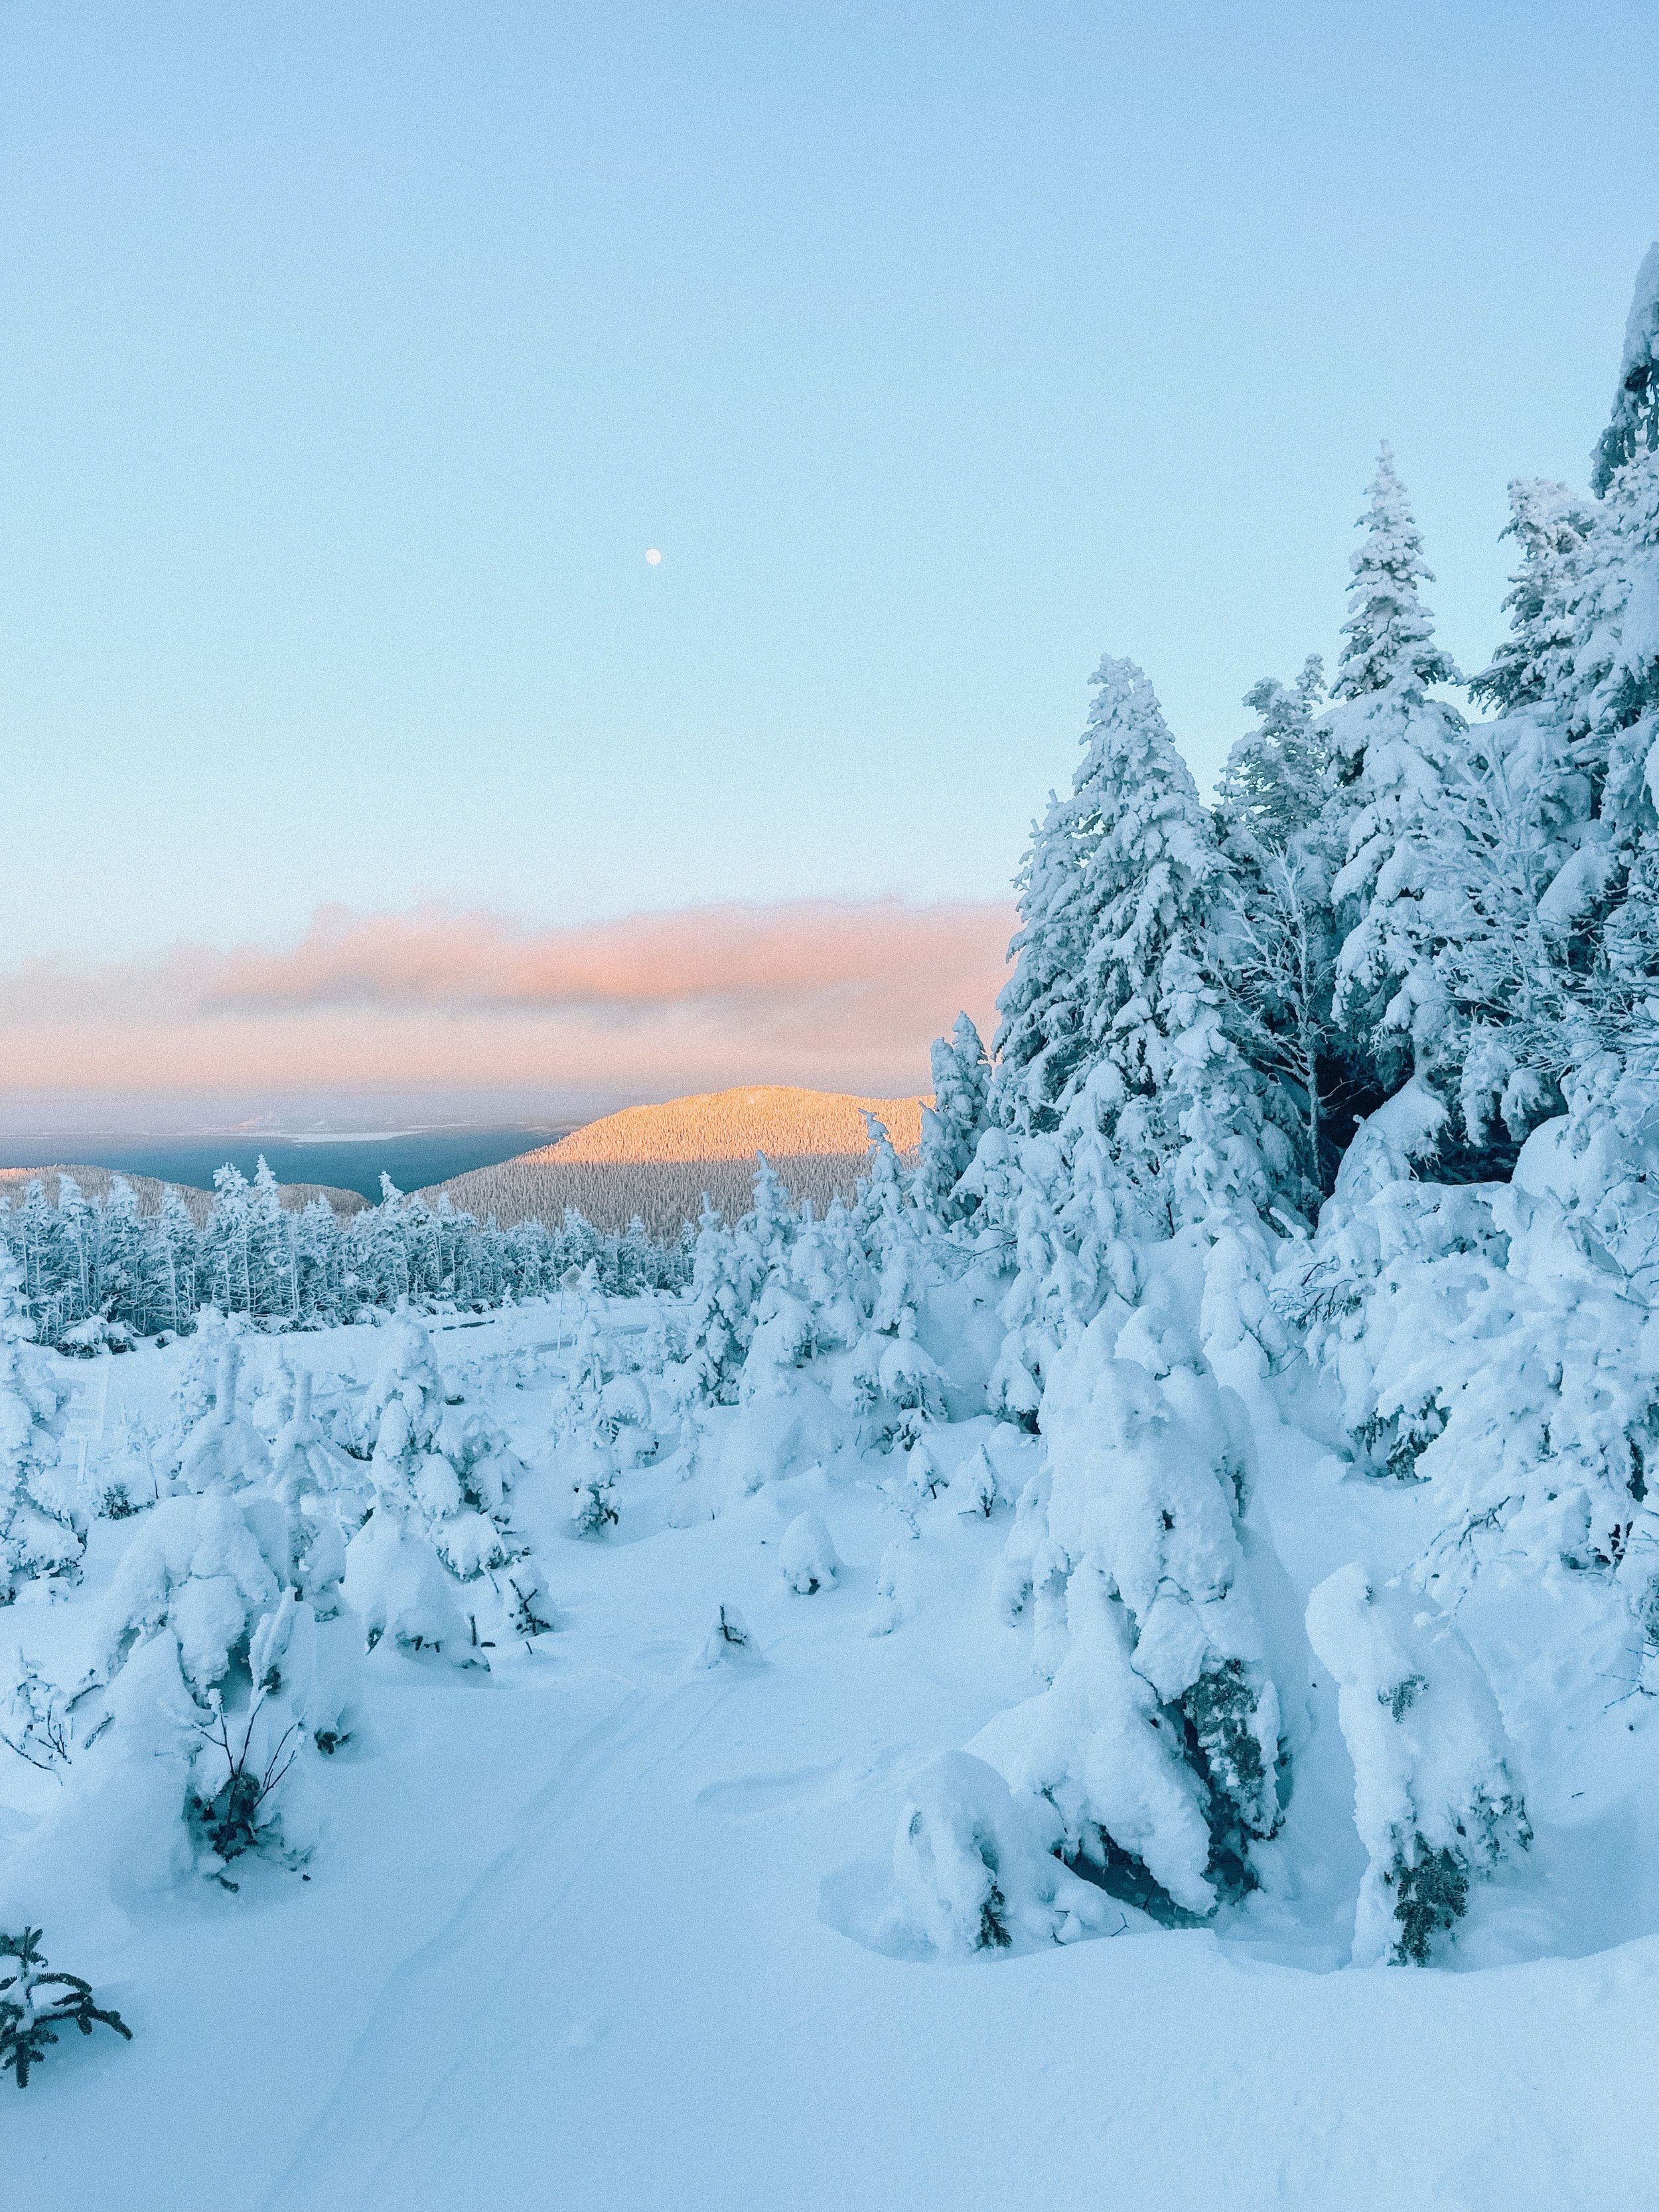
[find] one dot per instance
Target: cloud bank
(449, 1004)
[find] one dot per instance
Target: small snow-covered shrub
(234, 1802)
(35, 1717)
(1435, 1800)
(1015, 1583)
(194, 1565)
(85, 1340)
(35, 1999)
(729, 1643)
(129, 1480)
(807, 1556)
(224, 1451)
(591, 1469)
(974, 1491)
(396, 1585)
(439, 1481)
(529, 1607)
(975, 1866)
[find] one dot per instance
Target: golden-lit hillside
(659, 1161)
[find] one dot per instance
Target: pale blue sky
(351, 357)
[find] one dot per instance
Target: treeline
(92, 1265)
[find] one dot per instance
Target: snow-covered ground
(603, 1925)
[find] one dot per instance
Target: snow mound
(807, 1556)
(974, 1867)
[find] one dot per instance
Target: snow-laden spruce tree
(1123, 1108)
(1281, 836)
(717, 1318)
(1550, 524)
(1634, 428)
(176, 1250)
(36, 1535)
(1274, 786)
(1157, 1740)
(395, 1579)
(1609, 695)
(895, 1383)
(1519, 845)
(1400, 752)
(224, 1451)
(1121, 896)
(587, 1422)
(1042, 1038)
(959, 1117)
(729, 1268)
(1132, 1148)
(323, 1494)
(1435, 1799)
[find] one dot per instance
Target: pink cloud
(841, 994)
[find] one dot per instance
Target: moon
(654, 557)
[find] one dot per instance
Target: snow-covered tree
(1166, 1086)
(1550, 523)
(274, 1282)
(323, 1494)
(959, 1115)
(1273, 786)
(1043, 1039)
(1157, 1740)
(976, 1866)
(1609, 696)
(1399, 752)
(1634, 428)
(224, 1451)
(1388, 634)
(1114, 1033)
(36, 1534)
(1436, 1801)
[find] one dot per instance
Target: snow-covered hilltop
(923, 1712)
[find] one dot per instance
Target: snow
(807, 1556)
(595, 1919)
(1096, 1673)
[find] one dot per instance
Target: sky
(353, 357)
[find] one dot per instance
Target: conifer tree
(1390, 633)
(75, 1248)
(1042, 1038)
(1398, 753)
(959, 1115)
(1165, 1079)
(1116, 895)
(176, 1259)
(1609, 695)
(1634, 428)
(1273, 786)
(225, 1248)
(34, 1537)
(274, 1284)
(1550, 524)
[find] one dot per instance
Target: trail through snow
(578, 1937)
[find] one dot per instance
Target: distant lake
(412, 1157)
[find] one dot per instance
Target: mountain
(659, 1161)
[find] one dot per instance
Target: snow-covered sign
(89, 1399)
